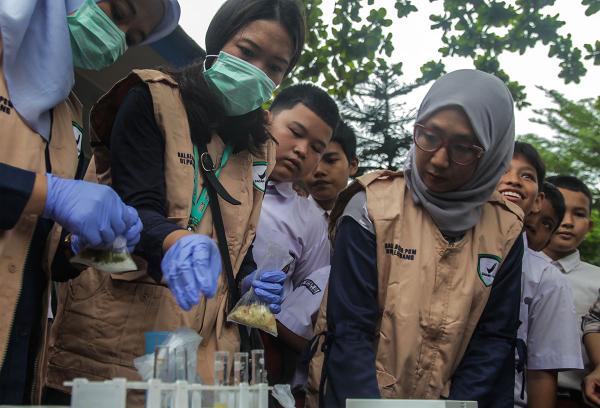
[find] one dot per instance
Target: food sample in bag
(114, 260)
(255, 315)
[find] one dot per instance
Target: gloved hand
(92, 212)
(132, 237)
(191, 268)
(268, 287)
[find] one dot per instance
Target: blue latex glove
(191, 268)
(92, 212)
(268, 287)
(132, 236)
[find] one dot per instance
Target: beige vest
(101, 320)
(22, 147)
(431, 294)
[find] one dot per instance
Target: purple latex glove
(191, 268)
(268, 287)
(92, 212)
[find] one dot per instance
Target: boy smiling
(547, 336)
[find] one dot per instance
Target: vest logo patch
(311, 286)
(402, 253)
(487, 268)
(5, 105)
(259, 175)
(78, 133)
(186, 159)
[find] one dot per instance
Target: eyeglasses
(430, 141)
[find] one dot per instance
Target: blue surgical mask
(240, 86)
(96, 42)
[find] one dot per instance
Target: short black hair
(529, 153)
(574, 184)
(345, 136)
(311, 96)
(556, 199)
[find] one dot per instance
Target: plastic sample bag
(175, 359)
(250, 310)
(114, 260)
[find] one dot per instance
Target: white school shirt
(549, 325)
(298, 226)
(299, 310)
(584, 279)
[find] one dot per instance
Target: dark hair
(311, 96)
(529, 153)
(556, 199)
(345, 136)
(236, 14)
(574, 184)
(204, 111)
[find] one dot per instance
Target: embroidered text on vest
(403, 253)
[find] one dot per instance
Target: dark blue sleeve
(138, 175)
(486, 373)
(16, 186)
(352, 316)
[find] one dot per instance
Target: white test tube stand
(113, 393)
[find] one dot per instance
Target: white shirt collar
(569, 263)
(284, 189)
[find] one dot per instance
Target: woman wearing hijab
(424, 289)
(41, 41)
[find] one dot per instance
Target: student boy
(548, 328)
(303, 121)
(583, 277)
(338, 164)
(540, 226)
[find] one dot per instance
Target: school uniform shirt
(584, 279)
(299, 309)
(325, 213)
(591, 321)
(549, 325)
(299, 228)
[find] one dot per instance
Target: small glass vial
(222, 368)
(259, 374)
(161, 363)
(240, 368)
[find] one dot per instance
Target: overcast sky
(415, 43)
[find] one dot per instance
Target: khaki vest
(101, 319)
(22, 147)
(430, 295)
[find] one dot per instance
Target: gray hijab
(489, 106)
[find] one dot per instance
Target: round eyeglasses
(431, 141)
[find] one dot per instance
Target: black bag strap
(214, 188)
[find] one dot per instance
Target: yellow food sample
(255, 315)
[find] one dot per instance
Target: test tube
(181, 363)
(161, 363)
(240, 368)
(221, 368)
(259, 374)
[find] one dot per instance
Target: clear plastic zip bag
(250, 310)
(114, 260)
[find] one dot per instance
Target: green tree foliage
(574, 150)
(381, 121)
(344, 50)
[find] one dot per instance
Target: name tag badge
(259, 175)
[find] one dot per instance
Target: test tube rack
(113, 393)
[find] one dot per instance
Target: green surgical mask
(240, 86)
(96, 42)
